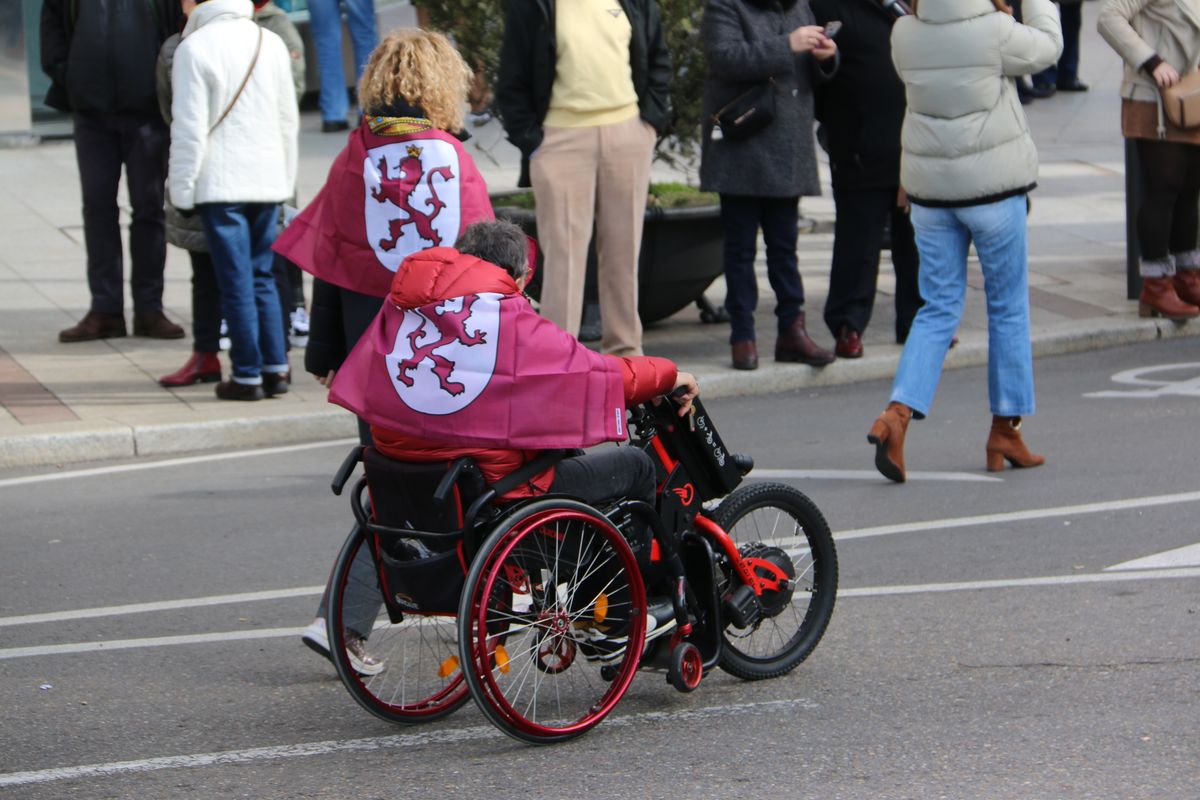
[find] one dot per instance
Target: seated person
(458, 364)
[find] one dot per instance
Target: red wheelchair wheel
(552, 621)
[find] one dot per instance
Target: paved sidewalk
(99, 400)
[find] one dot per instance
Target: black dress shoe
(276, 383)
(155, 325)
(334, 125)
(1072, 85)
(1040, 90)
(232, 390)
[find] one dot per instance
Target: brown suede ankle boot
(1004, 442)
(887, 434)
(1159, 299)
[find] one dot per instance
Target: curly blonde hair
(423, 69)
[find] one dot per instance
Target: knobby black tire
(780, 504)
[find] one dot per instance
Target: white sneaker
(298, 332)
(363, 662)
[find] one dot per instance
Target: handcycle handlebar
(343, 472)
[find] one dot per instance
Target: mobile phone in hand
(832, 28)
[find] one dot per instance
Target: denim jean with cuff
(239, 237)
(325, 17)
(944, 236)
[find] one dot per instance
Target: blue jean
(943, 238)
(239, 237)
(326, 19)
(741, 217)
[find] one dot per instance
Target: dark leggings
(1168, 218)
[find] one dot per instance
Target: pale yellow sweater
(593, 82)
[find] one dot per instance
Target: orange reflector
(502, 659)
(448, 667)
(600, 610)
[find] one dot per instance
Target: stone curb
(85, 442)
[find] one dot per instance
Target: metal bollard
(1133, 200)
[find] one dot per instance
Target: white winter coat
(251, 156)
(965, 138)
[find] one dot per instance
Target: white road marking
(163, 605)
(429, 737)
(170, 462)
(866, 475)
(1187, 556)
(1020, 516)
(1154, 388)
(865, 591)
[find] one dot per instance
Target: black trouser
(103, 143)
(605, 475)
(741, 218)
(857, 242)
(1167, 220)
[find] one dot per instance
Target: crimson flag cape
(388, 195)
(483, 370)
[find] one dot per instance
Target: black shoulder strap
(532, 469)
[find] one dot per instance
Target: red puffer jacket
(423, 281)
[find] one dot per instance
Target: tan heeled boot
(887, 434)
(1004, 443)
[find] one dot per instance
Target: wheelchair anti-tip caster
(686, 667)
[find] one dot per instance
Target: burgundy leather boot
(1187, 285)
(795, 344)
(200, 368)
(1159, 299)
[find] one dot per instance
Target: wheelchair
(542, 610)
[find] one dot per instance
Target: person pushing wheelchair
(457, 363)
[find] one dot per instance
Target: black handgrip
(446, 485)
(343, 473)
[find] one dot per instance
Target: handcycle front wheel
(419, 678)
(781, 526)
(552, 621)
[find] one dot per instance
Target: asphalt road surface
(1027, 634)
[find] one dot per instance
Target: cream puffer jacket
(1141, 29)
(251, 156)
(965, 138)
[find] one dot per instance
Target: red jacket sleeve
(645, 377)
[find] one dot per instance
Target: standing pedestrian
(582, 90)
(1159, 41)
(968, 164)
(861, 110)
(1064, 76)
(325, 17)
(100, 59)
(233, 160)
(778, 47)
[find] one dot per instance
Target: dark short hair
(498, 242)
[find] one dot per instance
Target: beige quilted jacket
(1141, 29)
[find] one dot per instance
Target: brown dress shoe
(745, 355)
(95, 325)
(200, 368)
(1159, 299)
(232, 390)
(1187, 285)
(155, 325)
(794, 344)
(849, 344)
(887, 434)
(1004, 443)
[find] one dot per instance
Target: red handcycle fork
(744, 567)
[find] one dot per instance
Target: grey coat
(746, 42)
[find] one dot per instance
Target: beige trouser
(583, 174)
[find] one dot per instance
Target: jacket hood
(937, 11)
(441, 273)
(212, 10)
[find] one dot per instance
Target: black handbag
(746, 114)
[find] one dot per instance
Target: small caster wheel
(685, 668)
(608, 672)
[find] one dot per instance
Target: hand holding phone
(832, 28)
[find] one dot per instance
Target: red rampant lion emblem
(412, 171)
(451, 325)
